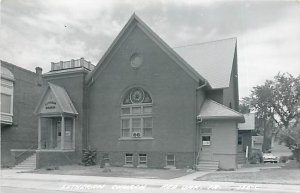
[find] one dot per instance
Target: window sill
(135, 139)
(170, 167)
(142, 166)
(55, 150)
(128, 165)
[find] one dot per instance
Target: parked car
(269, 157)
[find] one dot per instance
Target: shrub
(255, 157)
(283, 159)
(52, 168)
(296, 154)
(89, 157)
(291, 157)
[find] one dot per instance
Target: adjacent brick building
(20, 91)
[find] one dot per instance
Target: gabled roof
(249, 122)
(135, 21)
(62, 98)
(213, 60)
(213, 110)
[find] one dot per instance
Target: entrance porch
(56, 132)
(56, 128)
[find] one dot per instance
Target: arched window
(136, 114)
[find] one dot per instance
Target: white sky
(38, 32)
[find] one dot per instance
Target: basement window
(142, 159)
(170, 160)
(129, 159)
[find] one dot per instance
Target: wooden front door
(205, 144)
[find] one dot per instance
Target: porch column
(39, 134)
(73, 144)
(62, 132)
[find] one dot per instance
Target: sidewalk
(192, 176)
(9, 178)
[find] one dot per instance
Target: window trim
(141, 117)
(126, 161)
(170, 160)
(130, 115)
(139, 160)
(11, 104)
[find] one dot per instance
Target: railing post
(73, 145)
(247, 149)
(82, 62)
(61, 63)
(52, 66)
(39, 133)
(72, 63)
(62, 132)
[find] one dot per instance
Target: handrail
(30, 148)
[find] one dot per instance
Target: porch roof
(249, 122)
(212, 110)
(58, 95)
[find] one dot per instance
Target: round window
(136, 60)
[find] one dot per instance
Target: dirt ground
(116, 172)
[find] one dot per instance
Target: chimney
(38, 70)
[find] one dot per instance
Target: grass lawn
(288, 174)
(116, 172)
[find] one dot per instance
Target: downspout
(87, 131)
(196, 136)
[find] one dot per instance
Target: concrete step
(206, 169)
(27, 164)
(207, 165)
(241, 161)
(29, 161)
(22, 168)
(241, 158)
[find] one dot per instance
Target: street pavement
(12, 181)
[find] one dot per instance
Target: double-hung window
(143, 160)
(136, 114)
(129, 159)
(170, 160)
(6, 103)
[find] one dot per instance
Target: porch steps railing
(28, 164)
(207, 165)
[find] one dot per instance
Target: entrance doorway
(205, 144)
(58, 134)
(240, 143)
(68, 132)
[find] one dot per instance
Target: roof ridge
(207, 42)
(135, 20)
(15, 66)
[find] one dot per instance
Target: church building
(144, 104)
